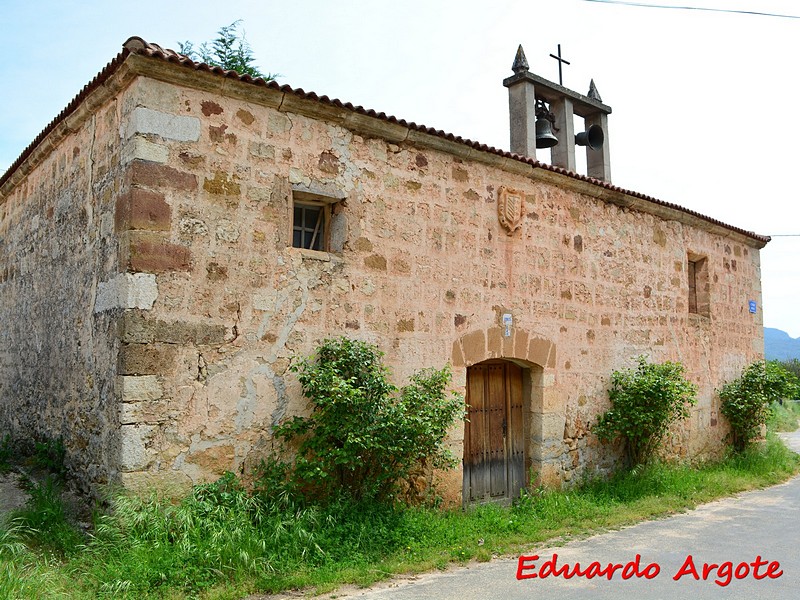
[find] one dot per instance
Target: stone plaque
(509, 209)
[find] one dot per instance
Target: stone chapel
(178, 234)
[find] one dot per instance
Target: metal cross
(560, 60)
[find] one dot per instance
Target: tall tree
(230, 50)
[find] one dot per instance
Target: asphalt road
(763, 526)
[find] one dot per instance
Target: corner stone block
(134, 455)
(474, 346)
(143, 149)
(137, 413)
(180, 128)
(134, 328)
(143, 209)
(153, 253)
(155, 175)
(127, 290)
(144, 388)
(146, 359)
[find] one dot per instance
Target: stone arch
(480, 345)
(544, 406)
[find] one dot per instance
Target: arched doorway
(494, 437)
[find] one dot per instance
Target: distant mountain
(779, 346)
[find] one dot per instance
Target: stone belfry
(531, 97)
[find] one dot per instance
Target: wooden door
(494, 455)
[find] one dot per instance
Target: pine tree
(230, 50)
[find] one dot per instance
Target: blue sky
(703, 102)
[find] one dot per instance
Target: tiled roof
(136, 45)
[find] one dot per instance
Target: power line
(785, 235)
(702, 8)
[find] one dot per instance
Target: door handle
(505, 427)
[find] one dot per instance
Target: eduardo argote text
(531, 567)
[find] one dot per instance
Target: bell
(544, 134)
(593, 137)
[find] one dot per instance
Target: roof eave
(140, 58)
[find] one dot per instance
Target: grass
(223, 543)
(784, 417)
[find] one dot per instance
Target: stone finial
(593, 93)
(520, 62)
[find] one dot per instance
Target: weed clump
(364, 437)
(646, 401)
(746, 400)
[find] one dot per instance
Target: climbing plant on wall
(645, 402)
(364, 435)
(746, 400)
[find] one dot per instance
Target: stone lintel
(583, 105)
(494, 342)
(540, 352)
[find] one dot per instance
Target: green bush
(364, 435)
(746, 400)
(793, 366)
(645, 402)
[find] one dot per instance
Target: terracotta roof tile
(139, 46)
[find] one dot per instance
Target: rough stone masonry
(153, 295)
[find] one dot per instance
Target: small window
(699, 296)
(308, 226)
(317, 222)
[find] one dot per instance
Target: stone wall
(152, 302)
(418, 264)
(57, 251)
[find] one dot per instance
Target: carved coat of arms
(509, 209)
